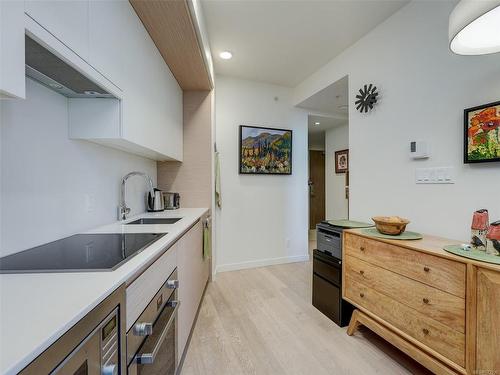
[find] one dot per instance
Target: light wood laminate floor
(261, 321)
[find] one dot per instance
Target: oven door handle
(149, 358)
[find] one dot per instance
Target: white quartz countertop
(36, 309)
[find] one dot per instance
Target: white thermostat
(419, 150)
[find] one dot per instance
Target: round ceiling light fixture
(226, 55)
(474, 27)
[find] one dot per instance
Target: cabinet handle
(425, 300)
(426, 269)
(425, 331)
(362, 248)
(361, 295)
(362, 272)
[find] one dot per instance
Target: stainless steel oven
(152, 340)
(94, 346)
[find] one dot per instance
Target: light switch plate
(436, 175)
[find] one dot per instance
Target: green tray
(344, 223)
(407, 235)
(472, 254)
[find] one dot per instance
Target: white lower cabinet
(193, 273)
(12, 74)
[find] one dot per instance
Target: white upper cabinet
(68, 21)
(152, 104)
(113, 44)
(12, 75)
(106, 42)
(150, 121)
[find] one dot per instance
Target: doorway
(328, 132)
(316, 187)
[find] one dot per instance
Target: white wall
(424, 89)
(263, 219)
(45, 177)
(336, 204)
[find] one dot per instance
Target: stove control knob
(110, 370)
(143, 329)
(172, 284)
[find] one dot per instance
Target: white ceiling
(283, 42)
(316, 133)
(325, 123)
(332, 100)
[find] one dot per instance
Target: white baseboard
(261, 263)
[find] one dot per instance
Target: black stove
(79, 253)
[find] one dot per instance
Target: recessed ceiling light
(225, 55)
(316, 123)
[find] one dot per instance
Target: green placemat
(407, 235)
(472, 254)
(344, 223)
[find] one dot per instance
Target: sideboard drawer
(435, 335)
(434, 303)
(443, 274)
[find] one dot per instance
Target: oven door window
(86, 360)
(161, 345)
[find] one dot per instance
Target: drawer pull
(362, 248)
(426, 269)
(361, 295)
(361, 272)
(425, 331)
(426, 300)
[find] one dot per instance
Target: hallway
(261, 321)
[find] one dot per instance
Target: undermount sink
(151, 220)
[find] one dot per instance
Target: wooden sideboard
(441, 309)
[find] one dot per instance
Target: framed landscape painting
(265, 150)
(482, 133)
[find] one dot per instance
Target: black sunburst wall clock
(367, 98)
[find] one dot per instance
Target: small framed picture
(341, 161)
(482, 133)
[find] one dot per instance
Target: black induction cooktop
(79, 253)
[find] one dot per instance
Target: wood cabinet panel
(434, 303)
(433, 334)
(443, 274)
(193, 271)
(488, 322)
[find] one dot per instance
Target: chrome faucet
(123, 210)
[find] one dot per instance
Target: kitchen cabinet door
(12, 75)
(488, 321)
(68, 21)
(152, 102)
(106, 42)
(193, 272)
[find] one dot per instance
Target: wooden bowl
(391, 225)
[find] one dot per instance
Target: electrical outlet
(89, 202)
